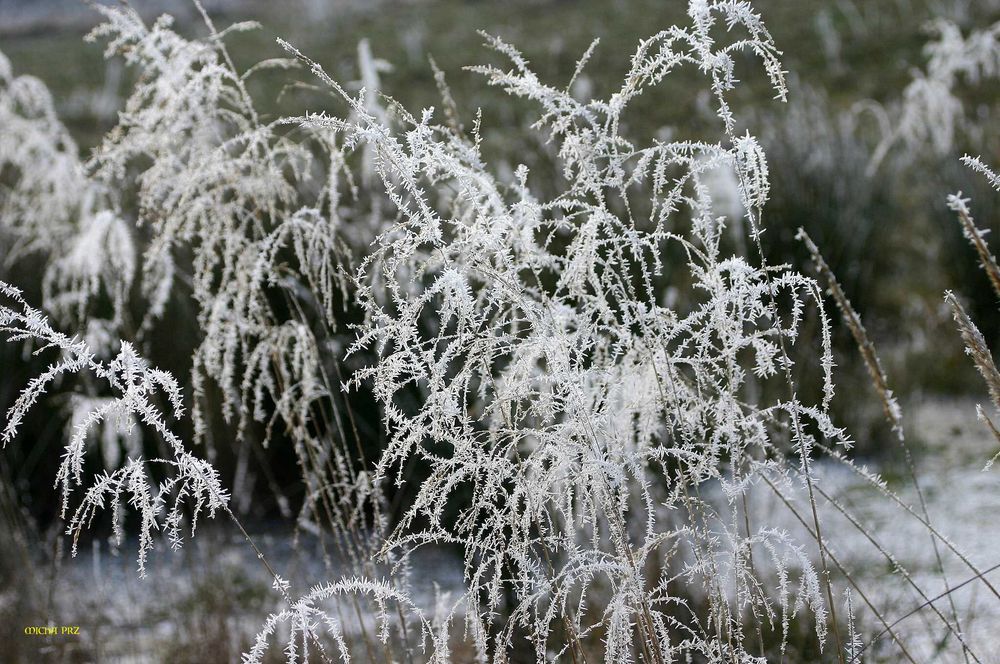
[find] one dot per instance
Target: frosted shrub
(583, 411)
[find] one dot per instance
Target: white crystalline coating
(931, 113)
(193, 482)
(532, 329)
(977, 164)
(54, 207)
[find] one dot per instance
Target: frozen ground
(19, 17)
(214, 591)
(962, 500)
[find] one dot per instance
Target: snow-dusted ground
(18, 17)
(212, 590)
(27, 16)
(963, 502)
(133, 620)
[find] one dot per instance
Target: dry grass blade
(889, 405)
(984, 418)
(921, 607)
(975, 346)
(975, 236)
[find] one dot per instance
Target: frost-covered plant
(239, 195)
(251, 217)
(975, 344)
(190, 480)
(536, 333)
(258, 217)
(820, 156)
(584, 412)
(49, 205)
(39, 161)
(930, 113)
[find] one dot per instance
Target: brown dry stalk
(975, 238)
(889, 405)
(975, 346)
(984, 418)
(853, 321)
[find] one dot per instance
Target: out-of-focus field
(852, 50)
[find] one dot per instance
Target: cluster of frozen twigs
(589, 436)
